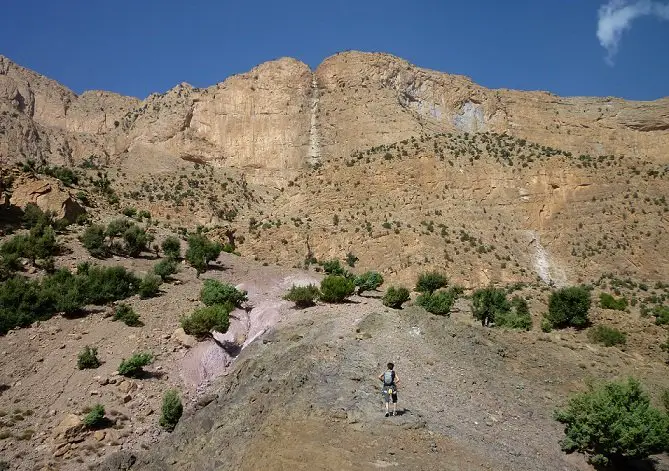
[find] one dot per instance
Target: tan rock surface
(48, 195)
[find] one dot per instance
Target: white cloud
(616, 16)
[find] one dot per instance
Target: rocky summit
(369, 160)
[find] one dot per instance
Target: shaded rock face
(282, 116)
(48, 195)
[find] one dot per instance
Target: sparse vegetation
(608, 336)
(101, 241)
(171, 410)
(201, 322)
(88, 358)
(132, 367)
(303, 296)
(127, 315)
(606, 301)
(614, 423)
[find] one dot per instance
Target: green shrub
(33, 216)
(430, 282)
(136, 240)
(166, 268)
(201, 251)
(607, 336)
(127, 315)
(130, 212)
(488, 304)
(93, 239)
(66, 175)
(546, 325)
(171, 247)
(88, 358)
(215, 292)
(143, 214)
(335, 289)
(96, 417)
(606, 301)
(661, 314)
(351, 259)
(303, 296)
(368, 281)
(395, 297)
(172, 410)
(439, 303)
(614, 423)
(106, 284)
(132, 367)
(665, 400)
(333, 267)
(149, 286)
(569, 307)
(24, 301)
(517, 317)
(203, 321)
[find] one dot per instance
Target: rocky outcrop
(282, 116)
(48, 195)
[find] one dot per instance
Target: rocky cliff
(282, 116)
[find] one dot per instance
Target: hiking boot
(387, 414)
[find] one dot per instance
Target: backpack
(388, 378)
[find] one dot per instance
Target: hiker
(389, 390)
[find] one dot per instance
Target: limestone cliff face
(281, 116)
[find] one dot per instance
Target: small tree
(93, 239)
(335, 289)
(395, 297)
(203, 321)
(171, 411)
(88, 358)
(132, 367)
(430, 282)
(351, 259)
(368, 281)
(166, 268)
(149, 286)
(488, 303)
(569, 307)
(215, 292)
(517, 317)
(201, 251)
(136, 240)
(171, 247)
(96, 417)
(303, 296)
(614, 423)
(127, 315)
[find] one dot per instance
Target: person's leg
(395, 404)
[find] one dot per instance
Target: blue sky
(136, 47)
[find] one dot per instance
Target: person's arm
(381, 377)
(397, 379)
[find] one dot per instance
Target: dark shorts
(388, 394)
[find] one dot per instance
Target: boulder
(183, 338)
(48, 195)
(70, 430)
